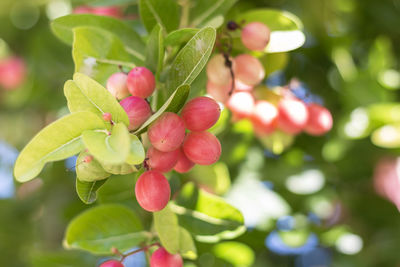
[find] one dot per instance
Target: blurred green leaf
(214, 177)
(164, 12)
(236, 253)
(387, 136)
(87, 191)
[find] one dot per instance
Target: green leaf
(62, 27)
(120, 169)
(187, 247)
(174, 103)
(274, 61)
(191, 59)
(208, 12)
(85, 94)
(155, 50)
(60, 259)
(99, 229)
(98, 53)
(136, 154)
(387, 136)
(119, 189)
(208, 217)
(59, 140)
(163, 12)
(215, 177)
(87, 191)
(108, 148)
(89, 171)
(286, 28)
(180, 36)
(238, 254)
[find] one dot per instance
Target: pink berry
(183, 164)
(161, 258)
(88, 159)
(141, 82)
(112, 263)
(319, 120)
(217, 72)
(293, 115)
(107, 116)
(111, 11)
(249, 69)
(152, 191)
(241, 104)
(116, 85)
(240, 86)
(12, 72)
(200, 113)
(138, 111)
(218, 92)
(161, 161)
(167, 132)
(202, 148)
(82, 10)
(264, 117)
(255, 36)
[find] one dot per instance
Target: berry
(217, 72)
(167, 132)
(107, 116)
(202, 148)
(152, 191)
(319, 120)
(200, 113)
(183, 164)
(82, 10)
(141, 82)
(88, 159)
(12, 72)
(138, 111)
(293, 115)
(218, 92)
(255, 36)
(161, 258)
(111, 11)
(112, 263)
(248, 69)
(241, 104)
(240, 86)
(264, 117)
(116, 85)
(161, 161)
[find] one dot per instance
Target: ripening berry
(255, 36)
(116, 85)
(248, 69)
(141, 82)
(82, 10)
(88, 159)
(161, 161)
(111, 11)
(152, 191)
(240, 86)
(167, 132)
(183, 164)
(12, 72)
(161, 258)
(218, 92)
(107, 116)
(217, 71)
(264, 117)
(319, 120)
(241, 104)
(293, 115)
(200, 113)
(112, 263)
(138, 111)
(202, 148)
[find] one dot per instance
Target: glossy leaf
(155, 50)
(85, 94)
(209, 12)
(108, 149)
(180, 36)
(136, 154)
(87, 191)
(163, 12)
(63, 26)
(59, 140)
(89, 171)
(99, 229)
(191, 59)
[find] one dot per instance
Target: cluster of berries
(234, 81)
(12, 72)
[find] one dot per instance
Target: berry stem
(123, 256)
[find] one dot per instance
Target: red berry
(116, 85)
(12, 72)
(138, 111)
(241, 104)
(248, 69)
(293, 115)
(161, 161)
(112, 263)
(202, 148)
(217, 72)
(240, 86)
(107, 116)
(161, 258)
(82, 10)
(264, 117)
(183, 164)
(112, 11)
(319, 120)
(255, 36)
(200, 113)
(152, 191)
(167, 132)
(219, 92)
(141, 82)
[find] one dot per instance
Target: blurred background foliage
(313, 205)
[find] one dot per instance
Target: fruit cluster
(235, 82)
(171, 147)
(12, 72)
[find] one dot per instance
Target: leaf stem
(185, 13)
